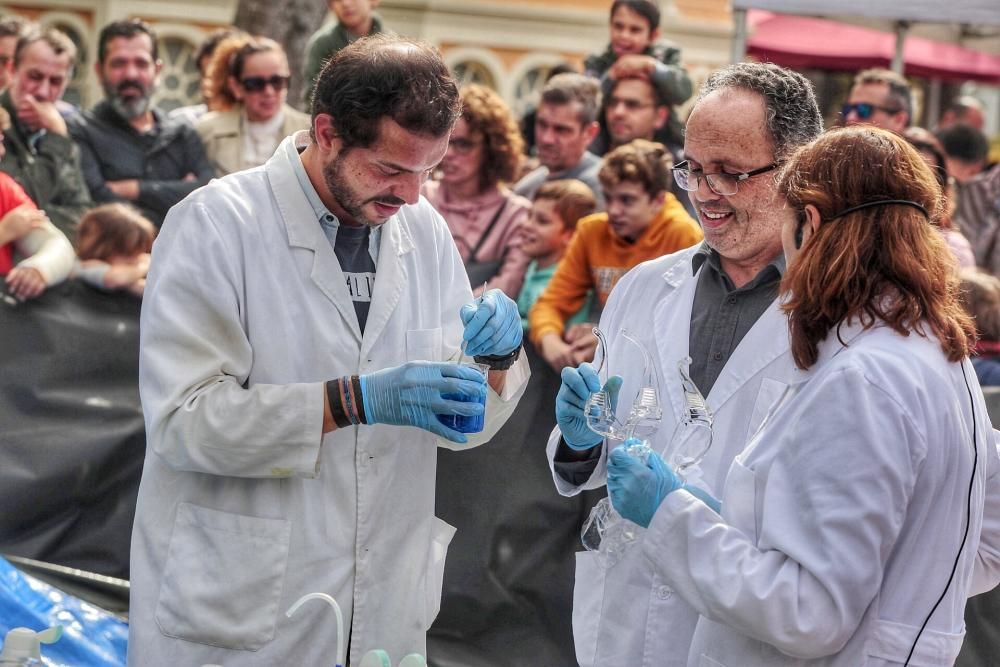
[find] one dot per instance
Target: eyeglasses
(463, 145)
(864, 110)
(720, 183)
(255, 84)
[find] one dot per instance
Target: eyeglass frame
(737, 178)
(856, 108)
(258, 84)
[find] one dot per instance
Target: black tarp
(508, 581)
(70, 427)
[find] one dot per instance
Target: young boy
(635, 50)
(355, 19)
(643, 221)
(546, 234)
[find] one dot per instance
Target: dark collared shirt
(722, 314)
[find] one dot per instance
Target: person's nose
(43, 91)
(545, 136)
(408, 187)
(703, 192)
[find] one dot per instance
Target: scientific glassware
(598, 408)
(695, 438)
(605, 531)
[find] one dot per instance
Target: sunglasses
(255, 84)
(865, 111)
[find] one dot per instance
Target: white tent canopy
(980, 12)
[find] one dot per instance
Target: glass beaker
(467, 423)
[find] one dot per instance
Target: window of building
(179, 79)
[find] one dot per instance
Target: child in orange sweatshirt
(643, 221)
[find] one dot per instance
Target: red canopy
(801, 42)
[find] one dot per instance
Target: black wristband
(499, 362)
(359, 403)
(337, 407)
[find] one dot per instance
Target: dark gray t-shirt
(351, 248)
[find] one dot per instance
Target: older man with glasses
(709, 310)
(879, 97)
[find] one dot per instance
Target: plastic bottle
(22, 646)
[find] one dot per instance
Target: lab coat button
(664, 592)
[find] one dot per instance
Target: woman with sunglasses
(850, 525)
(256, 80)
(471, 193)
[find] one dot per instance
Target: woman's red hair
(887, 263)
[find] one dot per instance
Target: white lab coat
(842, 518)
(244, 505)
(629, 616)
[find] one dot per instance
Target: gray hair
(793, 117)
(572, 87)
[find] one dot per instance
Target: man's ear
(591, 131)
(662, 114)
(324, 133)
(659, 198)
(654, 34)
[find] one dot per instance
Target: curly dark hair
(384, 75)
(487, 113)
(793, 117)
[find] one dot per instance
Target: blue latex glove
(411, 395)
(492, 325)
(637, 489)
(577, 386)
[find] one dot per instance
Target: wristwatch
(499, 362)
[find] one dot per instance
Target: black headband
(869, 204)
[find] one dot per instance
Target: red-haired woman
(850, 524)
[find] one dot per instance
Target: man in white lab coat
(715, 304)
(295, 329)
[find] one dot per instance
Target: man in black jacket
(40, 155)
(131, 151)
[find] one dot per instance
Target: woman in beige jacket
(245, 136)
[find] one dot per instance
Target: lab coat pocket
(423, 345)
(739, 508)
(890, 643)
(767, 397)
(705, 661)
(223, 578)
(588, 600)
(441, 534)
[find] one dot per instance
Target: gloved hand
(636, 490)
(411, 395)
(492, 325)
(577, 386)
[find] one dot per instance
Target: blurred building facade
(508, 45)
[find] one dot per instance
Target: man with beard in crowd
(131, 152)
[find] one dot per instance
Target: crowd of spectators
(553, 211)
